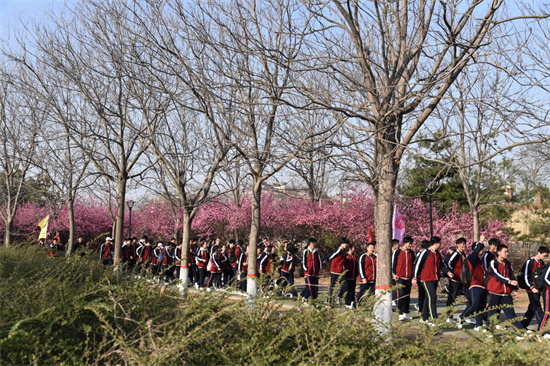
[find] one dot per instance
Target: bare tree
(388, 65)
(20, 121)
(88, 55)
(236, 63)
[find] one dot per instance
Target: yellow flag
(44, 226)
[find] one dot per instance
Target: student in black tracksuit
(424, 245)
(454, 264)
(535, 308)
(290, 260)
(545, 298)
(502, 285)
(476, 287)
(242, 269)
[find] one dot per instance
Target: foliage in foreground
(72, 311)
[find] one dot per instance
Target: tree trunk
(475, 218)
(119, 223)
(184, 269)
(7, 235)
(70, 207)
(384, 193)
(177, 229)
(251, 284)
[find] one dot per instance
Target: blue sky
(12, 10)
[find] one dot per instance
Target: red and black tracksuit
(177, 261)
(158, 253)
(57, 249)
(132, 260)
(402, 266)
(106, 254)
(125, 251)
(478, 292)
(352, 266)
(193, 269)
(535, 308)
(311, 262)
(287, 271)
(216, 271)
(145, 255)
(428, 271)
(242, 270)
(202, 261)
(367, 275)
(454, 264)
(545, 296)
(237, 253)
(500, 289)
(337, 268)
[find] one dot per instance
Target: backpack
(210, 265)
(537, 280)
(466, 275)
(521, 276)
(232, 257)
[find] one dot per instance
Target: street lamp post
(429, 192)
(130, 205)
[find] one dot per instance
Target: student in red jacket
(477, 288)
(454, 264)
(502, 285)
(145, 255)
(311, 262)
(337, 268)
(535, 308)
(56, 248)
(367, 272)
(402, 273)
(352, 270)
(427, 273)
(106, 252)
(215, 268)
(202, 261)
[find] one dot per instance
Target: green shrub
(71, 311)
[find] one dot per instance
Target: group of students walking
(485, 277)
(488, 282)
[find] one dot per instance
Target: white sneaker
(430, 324)
(546, 336)
(520, 338)
(470, 321)
(459, 325)
(394, 303)
(423, 321)
(499, 327)
(349, 307)
(197, 286)
(408, 316)
(450, 320)
(402, 317)
(481, 328)
(208, 289)
(528, 331)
